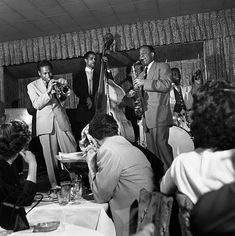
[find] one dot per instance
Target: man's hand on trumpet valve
(62, 82)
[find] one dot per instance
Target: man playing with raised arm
(52, 123)
(85, 85)
(156, 82)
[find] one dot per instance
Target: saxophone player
(156, 82)
(52, 123)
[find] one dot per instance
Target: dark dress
(11, 190)
(214, 213)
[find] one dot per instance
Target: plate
(71, 161)
(47, 197)
(46, 226)
(71, 157)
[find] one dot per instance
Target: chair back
(154, 207)
(185, 207)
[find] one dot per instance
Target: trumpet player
(52, 124)
(156, 82)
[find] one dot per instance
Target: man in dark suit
(156, 82)
(85, 85)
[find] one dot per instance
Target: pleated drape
(181, 29)
(220, 58)
(215, 29)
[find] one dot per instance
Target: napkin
(73, 156)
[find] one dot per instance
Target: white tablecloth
(86, 219)
(63, 230)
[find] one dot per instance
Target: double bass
(110, 96)
(108, 99)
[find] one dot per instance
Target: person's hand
(105, 59)
(89, 103)
(91, 158)
(131, 93)
(148, 230)
(139, 81)
(29, 157)
(62, 81)
(50, 87)
(31, 160)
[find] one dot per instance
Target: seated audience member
(214, 213)
(117, 171)
(181, 100)
(197, 81)
(180, 96)
(210, 166)
(14, 138)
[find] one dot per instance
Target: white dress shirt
(149, 66)
(89, 74)
(198, 172)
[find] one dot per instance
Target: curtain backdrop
(215, 29)
(181, 29)
(220, 58)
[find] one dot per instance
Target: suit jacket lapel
(41, 86)
(95, 83)
(151, 71)
(85, 81)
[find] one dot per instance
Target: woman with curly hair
(14, 139)
(210, 166)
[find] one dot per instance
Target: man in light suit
(117, 170)
(52, 123)
(156, 83)
(85, 85)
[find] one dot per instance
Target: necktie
(145, 72)
(89, 81)
(145, 76)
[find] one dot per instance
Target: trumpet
(61, 90)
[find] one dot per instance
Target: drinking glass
(77, 189)
(64, 194)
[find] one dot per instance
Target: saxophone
(137, 68)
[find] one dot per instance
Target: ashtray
(46, 226)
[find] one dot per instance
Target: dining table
(82, 217)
